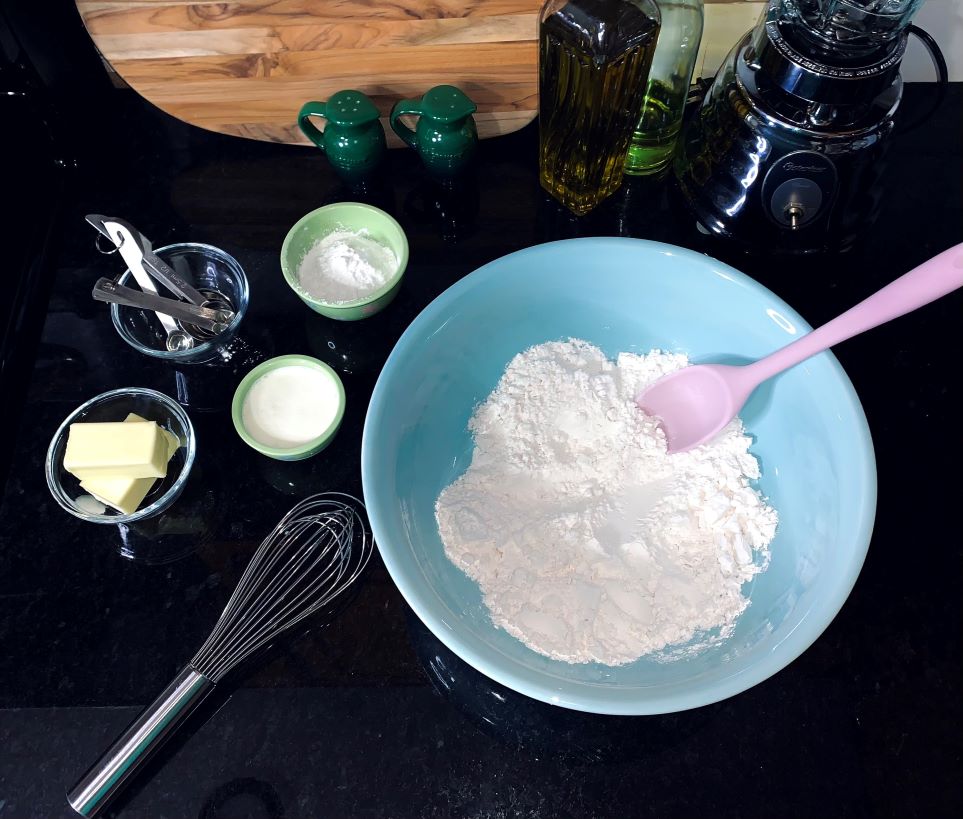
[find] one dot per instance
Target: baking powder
(345, 266)
(589, 542)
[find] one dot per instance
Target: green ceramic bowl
(315, 225)
(306, 450)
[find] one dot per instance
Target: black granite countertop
(371, 716)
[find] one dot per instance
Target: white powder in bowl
(589, 542)
(290, 406)
(345, 266)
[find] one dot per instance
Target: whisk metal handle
(139, 741)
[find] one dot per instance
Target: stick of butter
(174, 443)
(124, 494)
(116, 449)
(127, 494)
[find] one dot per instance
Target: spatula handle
(929, 281)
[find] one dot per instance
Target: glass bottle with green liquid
(657, 132)
(593, 66)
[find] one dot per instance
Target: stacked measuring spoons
(194, 315)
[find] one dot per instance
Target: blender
(783, 154)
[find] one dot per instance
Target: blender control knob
(795, 215)
(796, 202)
(798, 190)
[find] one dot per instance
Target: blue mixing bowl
(812, 441)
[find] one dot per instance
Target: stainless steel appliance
(784, 153)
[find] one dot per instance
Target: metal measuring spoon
(177, 339)
(215, 320)
(113, 227)
(213, 300)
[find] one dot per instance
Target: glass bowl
(207, 268)
(115, 406)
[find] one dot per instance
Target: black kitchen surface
(371, 716)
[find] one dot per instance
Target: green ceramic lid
(446, 104)
(350, 108)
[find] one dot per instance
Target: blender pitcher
(856, 27)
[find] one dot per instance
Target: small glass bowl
(115, 406)
(207, 268)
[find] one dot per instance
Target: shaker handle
(308, 128)
(399, 109)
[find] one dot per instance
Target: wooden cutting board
(246, 67)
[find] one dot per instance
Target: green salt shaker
(353, 139)
(445, 136)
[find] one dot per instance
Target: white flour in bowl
(345, 266)
(590, 542)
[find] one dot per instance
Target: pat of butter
(116, 449)
(126, 494)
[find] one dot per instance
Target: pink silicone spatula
(695, 403)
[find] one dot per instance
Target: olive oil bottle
(657, 133)
(593, 67)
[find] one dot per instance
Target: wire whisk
(315, 554)
(302, 566)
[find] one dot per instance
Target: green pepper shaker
(445, 136)
(353, 139)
